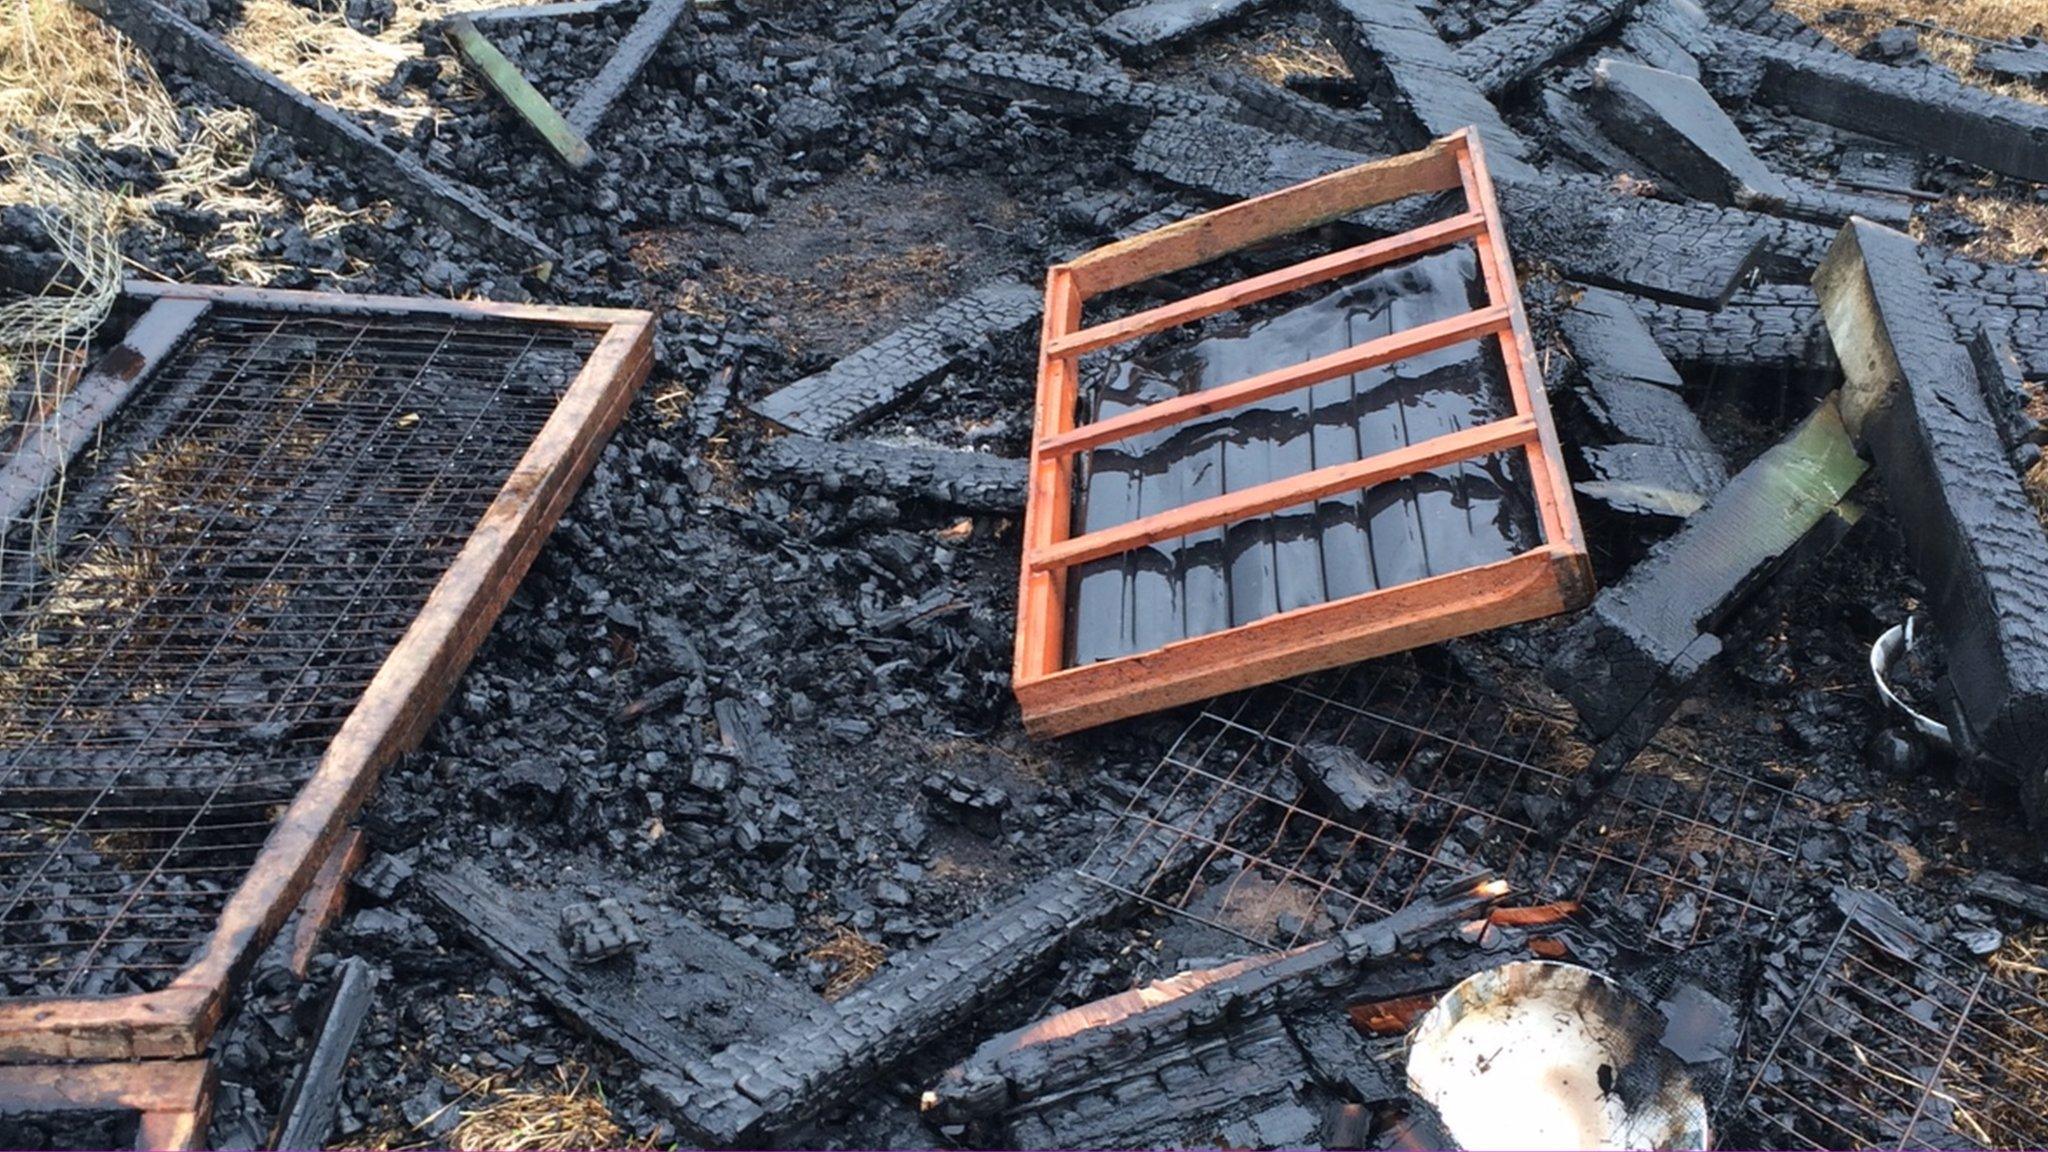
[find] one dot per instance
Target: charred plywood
(1280, 617)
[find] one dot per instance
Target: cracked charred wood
(1913, 400)
(975, 481)
(1417, 82)
(1682, 253)
(1134, 1032)
(1143, 32)
(1646, 641)
(756, 1092)
(687, 993)
(2012, 892)
(1070, 90)
(1290, 113)
(1674, 35)
(1769, 328)
(176, 44)
(594, 102)
(1661, 463)
(1925, 107)
(306, 1118)
(874, 380)
(1533, 39)
(2004, 384)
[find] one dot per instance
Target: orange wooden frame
(1552, 577)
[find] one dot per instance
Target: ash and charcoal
(742, 744)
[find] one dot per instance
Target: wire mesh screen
(1886, 1052)
(1343, 796)
(194, 613)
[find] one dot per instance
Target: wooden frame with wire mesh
(1551, 577)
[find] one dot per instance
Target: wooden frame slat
(1550, 577)
(397, 708)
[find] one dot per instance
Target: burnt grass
(784, 184)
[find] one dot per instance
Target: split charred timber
(1417, 81)
(1773, 329)
(306, 1119)
(685, 993)
(491, 18)
(1516, 49)
(178, 45)
(1914, 401)
(1685, 254)
(949, 477)
(1144, 31)
(1645, 642)
(887, 373)
(1071, 90)
(1922, 106)
(1150, 1046)
(2031, 899)
(2006, 390)
(1657, 459)
(1288, 112)
(602, 91)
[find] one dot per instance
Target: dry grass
(851, 957)
(1855, 22)
(319, 53)
(565, 1111)
(2014, 229)
(1276, 56)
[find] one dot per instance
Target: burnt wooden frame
(173, 1098)
(401, 701)
(1552, 577)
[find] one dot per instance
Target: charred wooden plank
(1417, 82)
(1611, 344)
(1925, 107)
(1673, 124)
(1651, 480)
(689, 992)
(1670, 34)
(1533, 39)
(1070, 90)
(1144, 31)
(1913, 399)
(1288, 112)
(1644, 641)
(620, 72)
(178, 45)
(976, 481)
(2022, 63)
(1766, 328)
(306, 1119)
(2011, 892)
(888, 372)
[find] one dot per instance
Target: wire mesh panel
(1349, 793)
(1928, 1052)
(214, 594)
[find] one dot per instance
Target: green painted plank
(504, 77)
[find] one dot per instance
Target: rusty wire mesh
(1882, 1051)
(1677, 849)
(259, 527)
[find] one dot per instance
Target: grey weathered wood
(635, 49)
(1145, 30)
(888, 372)
(1533, 39)
(1646, 640)
(178, 45)
(1913, 399)
(49, 445)
(1417, 81)
(976, 481)
(306, 1119)
(1925, 107)
(688, 993)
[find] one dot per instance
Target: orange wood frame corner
(1552, 577)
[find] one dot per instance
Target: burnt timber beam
(1417, 82)
(176, 44)
(975, 481)
(1924, 107)
(1516, 49)
(885, 374)
(2012, 892)
(306, 1118)
(1143, 32)
(504, 78)
(1066, 1051)
(638, 46)
(1645, 641)
(1071, 90)
(1914, 401)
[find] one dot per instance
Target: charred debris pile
(734, 814)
